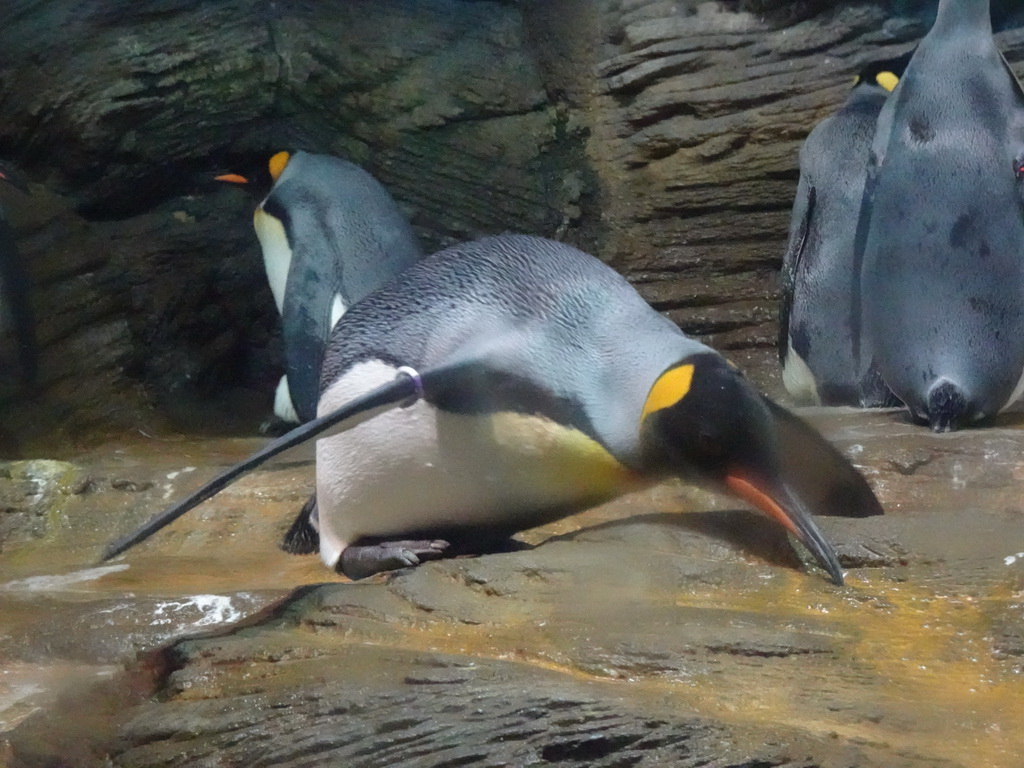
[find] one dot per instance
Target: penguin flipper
(863, 358)
(303, 538)
(818, 472)
(1017, 131)
(1016, 82)
(405, 388)
(306, 323)
(803, 209)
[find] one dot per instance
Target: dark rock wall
(662, 136)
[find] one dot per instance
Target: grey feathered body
(943, 261)
(347, 238)
(566, 351)
(819, 262)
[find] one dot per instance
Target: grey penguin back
(555, 319)
(942, 275)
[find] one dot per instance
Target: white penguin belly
(283, 406)
(337, 310)
(277, 254)
(416, 468)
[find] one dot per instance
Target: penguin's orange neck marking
(671, 387)
(887, 80)
(277, 164)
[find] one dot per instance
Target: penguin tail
(403, 390)
(948, 407)
(302, 538)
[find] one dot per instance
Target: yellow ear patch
(887, 80)
(671, 387)
(277, 164)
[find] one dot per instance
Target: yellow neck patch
(887, 80)
(671, 387)
(277, 164)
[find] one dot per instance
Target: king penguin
(330, 234)
(815, 345)
(15, 301)
(940, 240)
(505, 383)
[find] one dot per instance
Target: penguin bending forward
(815, 342)
(940, 240)
(330, 234)
(509, 382)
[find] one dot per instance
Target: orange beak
(787, 510)
(232, 178)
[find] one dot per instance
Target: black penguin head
(260, 176)
(701, 414)
(703, 421)
(885, 73)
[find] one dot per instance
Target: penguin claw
(360, 561)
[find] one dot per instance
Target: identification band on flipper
(417, 382)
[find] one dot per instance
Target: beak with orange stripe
(275, 166)
(704, 422)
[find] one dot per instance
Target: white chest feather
(337, 310)
(798, 379)
(415, 468)
(277, 254)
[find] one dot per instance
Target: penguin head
(885, 73)
(260, 176)
(704, 422)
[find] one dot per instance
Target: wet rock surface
(667, 628)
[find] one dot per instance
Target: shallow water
(708, 613)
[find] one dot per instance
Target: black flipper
(803, 209)
(306, 322)
(457, 385)
(302, 538)
(818, 472)
(404, 390)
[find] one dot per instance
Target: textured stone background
(662, 136)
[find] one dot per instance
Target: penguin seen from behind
(815, 342)
(940, 241)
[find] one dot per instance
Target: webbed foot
(360, 561)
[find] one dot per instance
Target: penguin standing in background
(815, 343)
(509, 382)
(940, 241)
(15, 300)
(330, 234)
